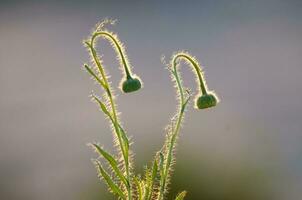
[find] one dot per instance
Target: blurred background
(248, 147)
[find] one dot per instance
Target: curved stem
(111, 100)
(202, 84)
(182, 105)
(118, 48)
(181, 109)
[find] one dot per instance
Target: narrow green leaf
(161, 161)
(114, 188)
(161, 167)
(91, 72)
(105, 110)
(88, 44)
(102, 106)
(181, 195)
(118, 128)
(113, 163)
(139, 188)
(148, 184)
(116, 124)
(154, 170)
(125, 139)
(185, 104)
(153, 177)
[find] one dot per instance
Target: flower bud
(131, 85)
(206, 101)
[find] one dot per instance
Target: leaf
(147, 189)
(102, 106)
(185, 104)
(153, 177)
(90, 71)
(139, 187)
(118, 129)
(122, 131)
(125, 139)
(154, 170)
(181, 195)
(113, 163)
(114, 188)
(117, 125)
(88, 44)
(161, 162)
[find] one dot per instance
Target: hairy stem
(118, 47)
(180, 115)
(111, 99)
(174, 134)
(202, 85)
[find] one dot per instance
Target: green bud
(206, 101)
(131, 85)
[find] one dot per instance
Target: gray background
(252, 52)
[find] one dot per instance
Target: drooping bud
(131, 85)
(206, 101)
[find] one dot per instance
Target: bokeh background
(249, 147)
